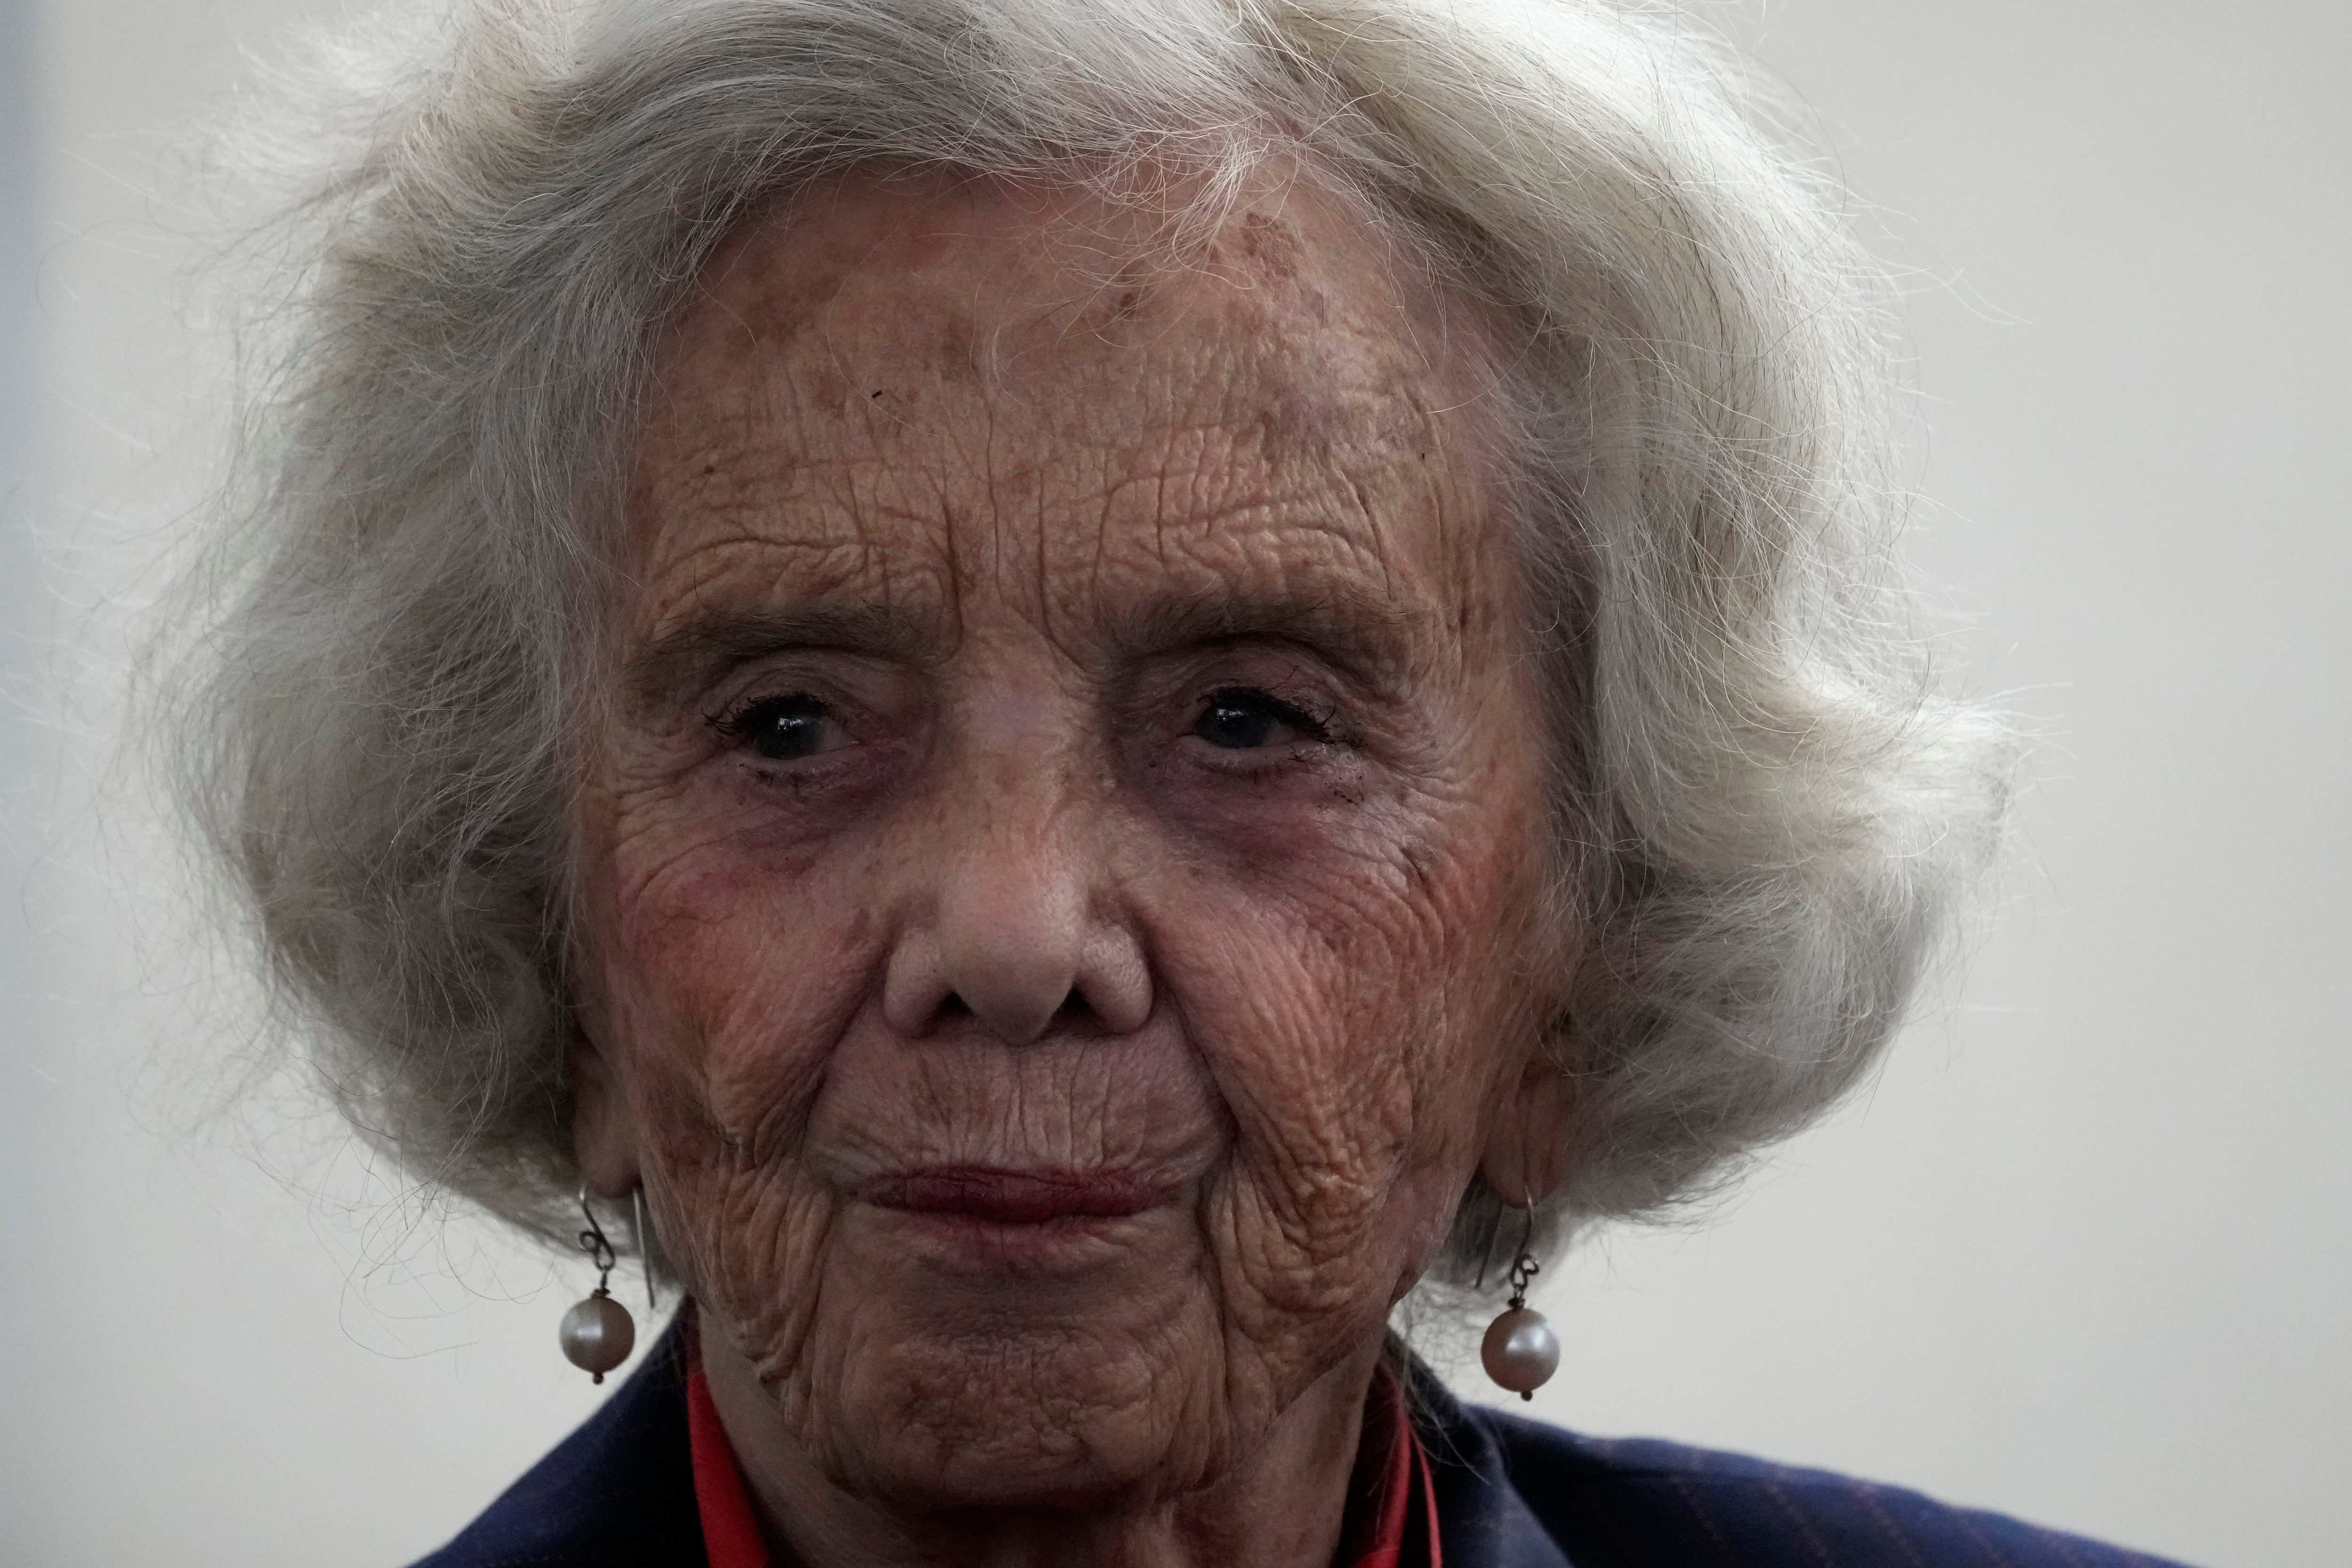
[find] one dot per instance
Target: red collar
(1393, 1486)
(730, 1531)
(1392, 1502)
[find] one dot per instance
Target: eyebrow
(694, 652)
(1369, 635)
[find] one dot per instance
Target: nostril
(1074, 1005)
(953, 1007)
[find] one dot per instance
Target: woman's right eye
(1244, 719)
(787, 728)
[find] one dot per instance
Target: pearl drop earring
(1520, 1352)
(598, 1332)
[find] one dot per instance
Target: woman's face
(1061, 850)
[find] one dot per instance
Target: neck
(1281, 1501)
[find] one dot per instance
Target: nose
(1023, 934)
(1013, 946)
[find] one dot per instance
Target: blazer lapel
(1482, 1520)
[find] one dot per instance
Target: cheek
(717, 987)
(1351, 997)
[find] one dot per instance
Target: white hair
(1763, 811)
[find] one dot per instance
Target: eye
(787, 728)
(1242, 719)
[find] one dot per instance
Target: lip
(998, 1196)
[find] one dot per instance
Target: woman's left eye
(787, 728)
(1243, 718)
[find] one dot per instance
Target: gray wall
(18, 197)
(2083, 1252)
(19, 737)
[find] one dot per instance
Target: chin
(1036, 1417)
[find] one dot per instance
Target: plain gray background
(2081, 1254)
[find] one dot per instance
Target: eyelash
(737, 725)
(1315, 727)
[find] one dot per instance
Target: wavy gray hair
(1761, 812)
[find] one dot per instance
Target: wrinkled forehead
(942, 395)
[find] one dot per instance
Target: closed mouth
(994, 1196)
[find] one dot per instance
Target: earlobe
(1525, 1152)
(604, 1136)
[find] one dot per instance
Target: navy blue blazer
(619, 1493)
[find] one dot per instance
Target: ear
(1524, 1158)
(604, 1133)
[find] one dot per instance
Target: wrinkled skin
(1069, 716)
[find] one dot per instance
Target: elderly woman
(1054, 696)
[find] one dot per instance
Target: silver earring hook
(594, 1242)
(645, 1245)
(1527, 1237)
(1524, 1267)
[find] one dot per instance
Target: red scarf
(1378, 1533)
